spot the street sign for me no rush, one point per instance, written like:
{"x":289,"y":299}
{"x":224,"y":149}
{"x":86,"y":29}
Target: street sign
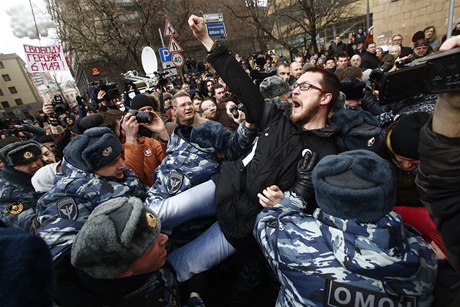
{"x":169,"y":29}
{"x":216,"y":30}
{"x":178,"y":59}
{"x":174,"y":45}
{"x":219,"y":17}
{"x":165,"y":56}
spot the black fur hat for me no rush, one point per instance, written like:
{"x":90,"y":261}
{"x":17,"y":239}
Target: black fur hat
{"x":20,"y":153}
{"x":93,"y":149}
{"x":211,"y":134}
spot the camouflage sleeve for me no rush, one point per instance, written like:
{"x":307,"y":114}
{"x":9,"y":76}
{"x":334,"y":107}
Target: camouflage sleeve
{"x":241,"y":142}
{"x":60,"y":234}
{"x":14,"y":214}
{"x":274,"y":230}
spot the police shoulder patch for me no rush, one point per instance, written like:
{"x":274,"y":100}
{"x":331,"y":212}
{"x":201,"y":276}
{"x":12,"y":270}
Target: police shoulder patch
{"x":14,"y":208}
{"x":174,"y":183}
{"x":67,"y":208}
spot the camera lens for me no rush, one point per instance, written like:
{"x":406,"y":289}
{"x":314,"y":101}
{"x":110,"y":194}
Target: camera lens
{"x":144,"y":117}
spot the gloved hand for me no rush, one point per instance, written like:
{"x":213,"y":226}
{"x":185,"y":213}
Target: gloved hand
{"x":303,"y":185}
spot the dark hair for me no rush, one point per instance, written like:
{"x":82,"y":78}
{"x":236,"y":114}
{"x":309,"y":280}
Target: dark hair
{"x":343,"y":54}
{"x":215,"y":87}
{"x":329,"y":82}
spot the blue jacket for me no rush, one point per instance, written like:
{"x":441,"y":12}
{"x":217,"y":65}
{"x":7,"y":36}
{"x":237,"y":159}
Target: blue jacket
{"x":63,"y":209}
{"x":323,"y":260}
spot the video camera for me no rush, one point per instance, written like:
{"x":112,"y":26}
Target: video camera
{"x":60,"y":107}
{"x":433,"y":74}
{"x":110,"y":89}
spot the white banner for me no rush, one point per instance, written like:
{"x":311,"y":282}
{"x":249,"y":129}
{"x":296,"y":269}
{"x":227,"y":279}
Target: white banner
{"x":45,"y":58}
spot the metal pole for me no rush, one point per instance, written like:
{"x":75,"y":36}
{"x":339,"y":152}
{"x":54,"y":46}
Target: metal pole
{"x":35,"y":21}
{"x":450,"y":18}
{"x":161,"y":36}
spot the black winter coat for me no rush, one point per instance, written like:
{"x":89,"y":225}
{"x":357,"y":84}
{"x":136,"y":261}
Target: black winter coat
{"x":279,"y":148}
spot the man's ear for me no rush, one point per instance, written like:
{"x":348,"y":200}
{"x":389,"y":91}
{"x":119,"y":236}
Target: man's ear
{"x":326,"y":99}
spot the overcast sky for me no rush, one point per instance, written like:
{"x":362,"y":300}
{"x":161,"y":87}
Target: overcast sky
{"x":10,"y":43}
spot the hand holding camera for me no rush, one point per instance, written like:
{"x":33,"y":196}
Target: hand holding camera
{"x":130,"y":128}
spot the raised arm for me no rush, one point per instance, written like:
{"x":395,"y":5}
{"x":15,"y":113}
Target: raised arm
{"x":231,"y":72}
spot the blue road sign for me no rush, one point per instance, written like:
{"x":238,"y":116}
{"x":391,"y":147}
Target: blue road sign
{"x":216,"y":30}
{"x":165,"y":56}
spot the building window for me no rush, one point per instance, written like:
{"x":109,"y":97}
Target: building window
{"x":1,"y":92}
{"x":5,"y":104}
{"x":2,"y":65}
{"x":13,"y":89}
{"x":6,"y":77}
{"x":18,"y":102}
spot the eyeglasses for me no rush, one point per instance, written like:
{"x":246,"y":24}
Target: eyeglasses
{"x":305,"y":86}
{"x":208,"y":107}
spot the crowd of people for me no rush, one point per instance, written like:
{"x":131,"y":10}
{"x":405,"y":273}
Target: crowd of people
{"x":252,"y":183}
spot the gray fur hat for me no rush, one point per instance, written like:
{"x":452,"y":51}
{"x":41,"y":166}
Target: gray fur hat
{"x":93,"y":149}
{"x":273,"y":86}
{"x":118,"y":232}
{"x":355,"y":185}
{"x":19,"y":153}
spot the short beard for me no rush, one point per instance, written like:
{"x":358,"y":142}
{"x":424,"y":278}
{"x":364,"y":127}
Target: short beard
{"x":305,"y":117}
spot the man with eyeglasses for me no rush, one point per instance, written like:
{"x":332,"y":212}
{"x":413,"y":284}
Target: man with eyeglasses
{"x":185,"y":113}
{"x":242,"y":184}
{"x":397,"y":40}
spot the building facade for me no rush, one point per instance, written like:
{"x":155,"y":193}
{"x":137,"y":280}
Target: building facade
{"x":17,"y":89}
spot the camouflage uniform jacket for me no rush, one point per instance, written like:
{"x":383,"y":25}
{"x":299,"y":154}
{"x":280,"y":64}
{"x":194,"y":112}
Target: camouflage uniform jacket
{"x":63,"y":209}
{"x":323,"y":260}
{"x":18,"y":202}
{"x":187,"y":164}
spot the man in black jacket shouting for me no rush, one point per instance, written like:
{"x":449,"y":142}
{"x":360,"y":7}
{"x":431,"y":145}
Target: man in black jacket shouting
{"x":283,"y":137}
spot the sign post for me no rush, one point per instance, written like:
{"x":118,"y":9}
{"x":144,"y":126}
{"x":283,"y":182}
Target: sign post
{"x":215,"y":25}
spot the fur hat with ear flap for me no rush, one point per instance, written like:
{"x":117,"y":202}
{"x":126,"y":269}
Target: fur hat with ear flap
{"x":355,"y":185}
{"x":19,"y":153}
{"x":93,"y":149}
{"x":118,"y":232}
{"x":273,"y":86}
{"x":211,"y":134}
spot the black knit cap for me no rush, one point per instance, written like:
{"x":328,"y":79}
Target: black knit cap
{"x":404,"y":136}
{"x":142,"y":100}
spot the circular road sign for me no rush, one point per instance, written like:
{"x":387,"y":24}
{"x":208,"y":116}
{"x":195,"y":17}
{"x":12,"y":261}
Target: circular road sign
{"x":178,"y":59}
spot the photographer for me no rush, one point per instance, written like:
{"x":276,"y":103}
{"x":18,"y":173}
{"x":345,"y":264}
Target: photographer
{"x":61,"y":135}
{"x":230,"y":114}
{"x":143,"y":153}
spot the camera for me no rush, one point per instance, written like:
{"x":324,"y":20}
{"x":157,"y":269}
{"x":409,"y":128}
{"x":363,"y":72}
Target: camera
{"x":235,"y":108}
{"x":110,"y":89}
{"x":433,"y":74}
{"x":60,"y":107}
{"x":142,"y":117}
